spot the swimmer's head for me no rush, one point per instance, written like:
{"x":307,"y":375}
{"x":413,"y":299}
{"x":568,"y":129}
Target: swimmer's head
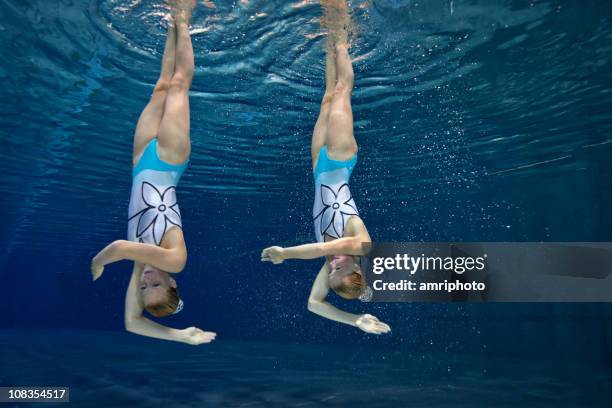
{"x":345,"y":276}
{"x":158,"y":291}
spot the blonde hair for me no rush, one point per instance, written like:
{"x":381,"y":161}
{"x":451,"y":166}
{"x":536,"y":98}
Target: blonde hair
{"x":348,"y":286}
{"x":167,"y":307}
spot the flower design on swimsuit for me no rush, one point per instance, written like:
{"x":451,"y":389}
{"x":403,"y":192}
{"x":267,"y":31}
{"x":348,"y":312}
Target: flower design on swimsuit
{"x":160,"y":211}
{"x":338,"y":206}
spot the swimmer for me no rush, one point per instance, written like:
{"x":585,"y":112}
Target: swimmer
{"x":341,"y":234}
{"x":160,"y":156}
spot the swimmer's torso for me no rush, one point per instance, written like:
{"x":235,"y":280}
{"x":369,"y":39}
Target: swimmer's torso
{"x":334,"y":205}
{"x":153,"y":209}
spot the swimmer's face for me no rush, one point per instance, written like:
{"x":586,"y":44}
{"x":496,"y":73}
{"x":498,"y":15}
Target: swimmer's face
{"x":345,"y":277}
{"x":343,"y":265}
{"x":154,"y":285}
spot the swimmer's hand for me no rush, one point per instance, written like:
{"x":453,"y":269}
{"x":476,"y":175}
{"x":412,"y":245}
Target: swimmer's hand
{"x":371,"y":324}
{"x":103,"y":258}
{"x":274,"y":254}
{"x":96,"y":269}
{"x":194,"y":336}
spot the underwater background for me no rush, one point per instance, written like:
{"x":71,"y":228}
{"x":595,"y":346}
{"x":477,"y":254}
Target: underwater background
{"x":483,"y":120}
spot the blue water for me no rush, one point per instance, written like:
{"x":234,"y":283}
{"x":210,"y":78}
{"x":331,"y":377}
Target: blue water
{"x":476,"y":120}
{"x":148,"y":373}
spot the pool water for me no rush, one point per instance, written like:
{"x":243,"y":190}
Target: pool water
{"x":149,"y":373}
{"x":476,"y":121}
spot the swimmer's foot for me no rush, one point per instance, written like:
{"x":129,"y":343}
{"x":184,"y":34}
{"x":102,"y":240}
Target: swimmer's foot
{"x":181,"y":9}
{"x":337,"y":4}
{"x":337,"y":20}
{"x":186,"y":5}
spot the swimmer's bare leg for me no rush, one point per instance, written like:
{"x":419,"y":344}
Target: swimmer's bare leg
{"x":340,"y":137}
{"x":320,"y":129}
{"x":150,"y":118}
{"x":173,"y":134}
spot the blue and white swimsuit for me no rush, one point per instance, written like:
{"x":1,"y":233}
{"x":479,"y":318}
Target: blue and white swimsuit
{"x":153,"y":207}
{"x":333,"y":204}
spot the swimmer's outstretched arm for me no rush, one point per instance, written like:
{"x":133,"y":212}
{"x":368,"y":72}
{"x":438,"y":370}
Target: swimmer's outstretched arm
{"x":318,"y":304}
{"x":342,"y":246}
{"x":171,"y":259}
{"x":136,"y":323}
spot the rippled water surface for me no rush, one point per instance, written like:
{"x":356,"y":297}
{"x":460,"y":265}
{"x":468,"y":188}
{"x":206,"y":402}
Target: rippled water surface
{"x":481,"y":120}
{"x":452,"y":98}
